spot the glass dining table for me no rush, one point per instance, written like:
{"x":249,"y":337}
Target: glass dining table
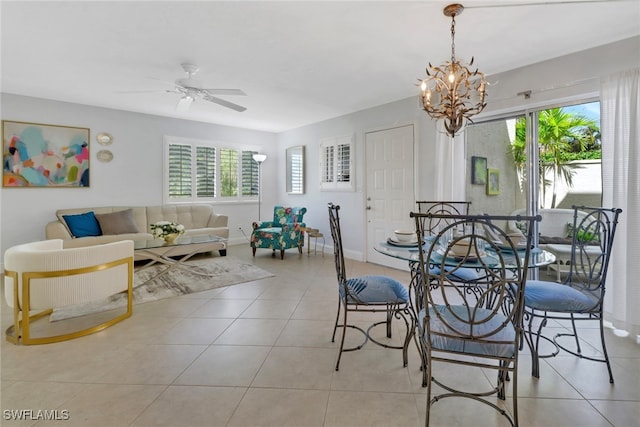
{"x":410,"y":253}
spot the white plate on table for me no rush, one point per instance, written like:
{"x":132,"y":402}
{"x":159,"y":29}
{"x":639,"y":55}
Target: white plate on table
{"x":394,"y":242}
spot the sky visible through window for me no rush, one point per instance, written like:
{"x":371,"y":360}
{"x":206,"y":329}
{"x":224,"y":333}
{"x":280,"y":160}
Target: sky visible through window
{"x":590,"y":110}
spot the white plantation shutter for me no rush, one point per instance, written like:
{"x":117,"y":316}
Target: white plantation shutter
{"x":297,"y":177}
{"x":179,"y":163}
{"x":343,"y":163}
{"x":249,"y":174}
{"x":336,"y":164}
{"x":228,"y":172}
{"x":328,"y":164}
{"x":197,"y":171}
{"x":205,"y":171}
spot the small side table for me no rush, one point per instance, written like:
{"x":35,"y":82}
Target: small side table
{"x":314,"y":233}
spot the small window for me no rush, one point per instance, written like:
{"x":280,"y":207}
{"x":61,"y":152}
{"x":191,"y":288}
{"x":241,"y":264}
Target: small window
{"x":179,"y":165}
{"x":228,"y":172}
{"x":250,"y":179}
{"x":205,"y":171}
{"x":336,"y":167}
{"x":295,"y":170}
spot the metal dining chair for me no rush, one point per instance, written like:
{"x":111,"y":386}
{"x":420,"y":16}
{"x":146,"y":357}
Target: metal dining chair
{"x":440,"y":217}
{"x":373,"y":294}
{"x":581,"y":296}
{"x":471,"y":323}
{"x":439,"y":207}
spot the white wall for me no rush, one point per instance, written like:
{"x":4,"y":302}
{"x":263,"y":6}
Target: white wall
{"x":133,"y":178}
{"x":352,"y":203}
{"x":574,"y":76}
{"x":568,"y":78}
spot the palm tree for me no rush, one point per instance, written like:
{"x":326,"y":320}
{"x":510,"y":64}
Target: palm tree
{"x":558,"y":132}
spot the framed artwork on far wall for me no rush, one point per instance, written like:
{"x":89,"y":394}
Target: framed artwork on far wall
{"x":478,"y":170}
{"x":39,"y":155}
{"x":493,"y":182}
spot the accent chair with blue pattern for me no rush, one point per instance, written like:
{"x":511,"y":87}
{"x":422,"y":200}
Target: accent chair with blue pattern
{"x":282,"y":233}
{"x":581,"y":296}
{"x":472,"y":323}
{"x":372,"y":294}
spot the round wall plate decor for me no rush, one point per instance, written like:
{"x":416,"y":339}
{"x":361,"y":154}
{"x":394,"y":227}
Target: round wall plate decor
{"x":104,"y":138}
{"x":105,"y":156}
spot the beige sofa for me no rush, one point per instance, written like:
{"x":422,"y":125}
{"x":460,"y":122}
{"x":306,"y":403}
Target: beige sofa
{"x":133,"y":223}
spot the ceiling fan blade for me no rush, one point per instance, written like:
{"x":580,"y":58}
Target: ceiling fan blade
{"x":534,"y":3}
{"x":140,"y":91}
{"x":225,"y":92}
{"x":160,"y":80}
{"x":184,"y":103}
{"x":224,"y":103}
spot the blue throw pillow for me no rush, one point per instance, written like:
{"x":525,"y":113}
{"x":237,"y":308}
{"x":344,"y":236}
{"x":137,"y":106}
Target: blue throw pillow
{"x":83,"y":225}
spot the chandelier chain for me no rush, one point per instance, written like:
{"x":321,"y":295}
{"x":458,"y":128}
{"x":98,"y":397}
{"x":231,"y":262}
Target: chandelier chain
{"x":453,"y":38}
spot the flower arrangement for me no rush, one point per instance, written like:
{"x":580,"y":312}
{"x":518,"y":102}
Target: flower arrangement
{"x":166,"y":229}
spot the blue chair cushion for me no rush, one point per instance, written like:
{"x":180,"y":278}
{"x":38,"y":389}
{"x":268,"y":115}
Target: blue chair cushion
{"x":460,"y":274}
{"x":376,"y":289}
{"x":452,"y":316}
{"x":558,"y":297}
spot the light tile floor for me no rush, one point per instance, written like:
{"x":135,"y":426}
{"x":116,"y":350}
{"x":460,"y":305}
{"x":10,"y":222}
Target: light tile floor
{"x":260,"y":354}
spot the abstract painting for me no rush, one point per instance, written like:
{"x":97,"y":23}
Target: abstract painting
{"x":39,"y":155}
{"x":493,"y":182}
{"x":478,"y":170}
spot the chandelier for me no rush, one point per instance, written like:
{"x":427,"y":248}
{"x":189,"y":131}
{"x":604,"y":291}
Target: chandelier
{"x":452,"y":91}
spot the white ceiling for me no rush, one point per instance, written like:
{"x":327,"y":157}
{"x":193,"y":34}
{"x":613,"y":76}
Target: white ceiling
{"x":299,"y":62}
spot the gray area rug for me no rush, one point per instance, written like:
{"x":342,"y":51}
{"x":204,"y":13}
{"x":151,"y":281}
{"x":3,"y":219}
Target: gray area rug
{"x":214,"y":273}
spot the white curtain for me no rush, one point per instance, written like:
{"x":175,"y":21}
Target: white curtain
{"x":451,"y":165}
{"x":620,"y":127}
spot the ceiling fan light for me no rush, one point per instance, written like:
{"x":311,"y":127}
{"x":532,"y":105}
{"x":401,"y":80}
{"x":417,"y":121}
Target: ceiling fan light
{"x":184,"y":103}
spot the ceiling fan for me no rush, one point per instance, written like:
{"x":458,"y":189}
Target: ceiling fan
{"x":191,"y":89}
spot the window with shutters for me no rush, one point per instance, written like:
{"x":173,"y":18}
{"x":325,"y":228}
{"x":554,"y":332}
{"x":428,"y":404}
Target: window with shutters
{"x":297,"y":177}
{"x":295,"y":170}
{"x":250,"y":179}
{"x":197,"y":171}
{"x":205,"y":171}
{"x":336,"y":164}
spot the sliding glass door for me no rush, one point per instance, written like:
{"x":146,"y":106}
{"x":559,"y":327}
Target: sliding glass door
{"x":513,"y":165}
{"x":529,"y":163}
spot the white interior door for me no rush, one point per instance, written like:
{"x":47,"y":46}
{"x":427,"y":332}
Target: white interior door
{"x":390,"y":194}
